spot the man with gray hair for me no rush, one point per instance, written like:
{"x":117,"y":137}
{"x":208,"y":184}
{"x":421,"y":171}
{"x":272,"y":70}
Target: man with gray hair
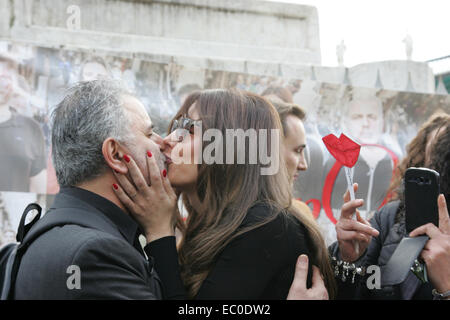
{"x":89,"y":245}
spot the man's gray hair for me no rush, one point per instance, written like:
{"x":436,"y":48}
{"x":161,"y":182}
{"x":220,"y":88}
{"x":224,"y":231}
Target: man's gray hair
{"x":90,"y":113}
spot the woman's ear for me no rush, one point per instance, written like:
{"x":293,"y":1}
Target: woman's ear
{"x":113,"y":153}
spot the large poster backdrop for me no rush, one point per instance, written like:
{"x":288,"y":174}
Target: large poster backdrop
{"x":34,"y":79}
{"x":382,"y":121}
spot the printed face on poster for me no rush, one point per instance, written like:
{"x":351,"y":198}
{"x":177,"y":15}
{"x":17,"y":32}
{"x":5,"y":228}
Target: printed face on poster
{"x":34,"y":79}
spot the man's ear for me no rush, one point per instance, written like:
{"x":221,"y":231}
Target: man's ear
{"x":113,"y":153}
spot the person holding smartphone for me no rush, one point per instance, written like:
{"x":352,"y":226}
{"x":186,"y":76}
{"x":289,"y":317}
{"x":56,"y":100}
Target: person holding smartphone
{"x":378,"y":239}
{"x":436,"y":252}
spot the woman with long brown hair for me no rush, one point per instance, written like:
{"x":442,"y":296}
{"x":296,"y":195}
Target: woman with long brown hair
{"x":242,"y":235}
{"x":417,"y":150}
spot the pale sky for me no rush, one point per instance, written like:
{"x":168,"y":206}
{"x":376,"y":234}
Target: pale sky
{"x":373,"y":30}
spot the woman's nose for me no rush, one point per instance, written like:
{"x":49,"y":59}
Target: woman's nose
{"x":302,"y":165}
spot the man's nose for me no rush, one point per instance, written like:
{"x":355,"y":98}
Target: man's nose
{"x":170,"y":141}
{"x":157,"y":139}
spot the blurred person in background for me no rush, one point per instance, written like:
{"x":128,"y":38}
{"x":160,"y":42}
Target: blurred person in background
{"x":22,"y":143}
{"x":94,"y":69}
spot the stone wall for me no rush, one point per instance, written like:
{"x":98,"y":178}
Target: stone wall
{"x":204,"y":30}
{"x":249,"y":36}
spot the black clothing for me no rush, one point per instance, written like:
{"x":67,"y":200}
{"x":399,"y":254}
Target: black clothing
{"x":22,"y":153}
{"x":126,"y":225}
{"x":259,"y":264}
{"x":111,"y":262}
{"x":378,"y":253}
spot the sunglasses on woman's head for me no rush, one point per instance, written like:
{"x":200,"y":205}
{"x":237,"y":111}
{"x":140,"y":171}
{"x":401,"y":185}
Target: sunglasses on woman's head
{"x":186,"y":124}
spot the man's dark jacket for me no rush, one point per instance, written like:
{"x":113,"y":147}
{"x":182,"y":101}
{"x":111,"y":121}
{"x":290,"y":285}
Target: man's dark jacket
{"x":102,"y":241}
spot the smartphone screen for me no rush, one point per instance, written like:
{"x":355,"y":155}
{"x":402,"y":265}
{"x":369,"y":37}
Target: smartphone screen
{"x":421,"y":193}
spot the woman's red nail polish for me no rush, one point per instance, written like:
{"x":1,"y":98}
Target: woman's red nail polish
{"x":127,"y":158}
{"x":115,"y":186}
{"x":164,"y":173}
{"x":149,"y":154}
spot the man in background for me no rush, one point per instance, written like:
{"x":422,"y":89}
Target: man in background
{"x":22,"y":143}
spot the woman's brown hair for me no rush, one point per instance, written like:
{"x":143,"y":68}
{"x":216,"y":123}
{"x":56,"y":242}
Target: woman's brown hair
{"x":228,"y":191}
{"x":440,"y":160}
{"x":415,"y":151}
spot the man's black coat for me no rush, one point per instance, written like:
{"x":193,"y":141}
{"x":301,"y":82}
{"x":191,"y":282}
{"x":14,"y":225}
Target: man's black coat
{"x":99,"y":240}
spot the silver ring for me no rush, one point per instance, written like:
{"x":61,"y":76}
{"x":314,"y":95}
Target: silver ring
{"x":134,"y":195}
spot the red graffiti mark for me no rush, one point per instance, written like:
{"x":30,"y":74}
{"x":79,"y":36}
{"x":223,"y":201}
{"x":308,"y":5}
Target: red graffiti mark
{"x":331,"y":179}
{"x":328,"y":190}
{"x":395,"y":162}
{"x":316,"y":207}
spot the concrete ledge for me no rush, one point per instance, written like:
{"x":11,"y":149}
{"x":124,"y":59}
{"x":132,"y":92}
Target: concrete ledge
{"x":248,"y":30}
{"x":255,"y":37}
{"x":394,"y":75}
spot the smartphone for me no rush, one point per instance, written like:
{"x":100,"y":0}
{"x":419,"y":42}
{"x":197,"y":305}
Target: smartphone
{"x":421,"y":194}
